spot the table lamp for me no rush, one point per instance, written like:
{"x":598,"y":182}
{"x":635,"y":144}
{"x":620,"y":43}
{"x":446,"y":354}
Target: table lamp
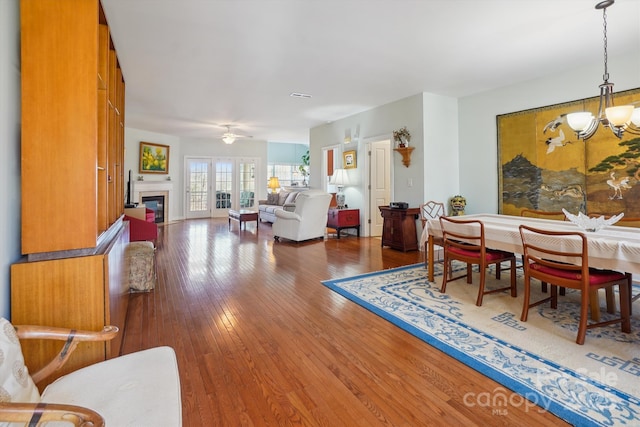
{"x":340,"y":178}
{"x":273,"y":184}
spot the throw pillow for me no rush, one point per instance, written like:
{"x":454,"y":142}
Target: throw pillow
{"x":283,"y":197}
{"x":15,"y":383}
{"x":291,"y":198}
{"x":272,"y":198}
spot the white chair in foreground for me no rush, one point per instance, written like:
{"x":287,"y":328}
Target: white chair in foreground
{"x":307,"y":221}
{"x":138,"y":389}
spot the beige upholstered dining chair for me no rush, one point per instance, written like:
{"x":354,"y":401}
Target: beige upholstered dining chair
{"x":138,"y":389}
{"x":464,"y":241}
{"x":545,"y":261}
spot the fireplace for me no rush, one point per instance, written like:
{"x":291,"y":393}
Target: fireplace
{"x":155,"y":203}
{"x":158,"y":193}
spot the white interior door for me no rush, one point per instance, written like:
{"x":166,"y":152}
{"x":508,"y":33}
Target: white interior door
{"x":198,"y":191}
{"x":379,"y":183}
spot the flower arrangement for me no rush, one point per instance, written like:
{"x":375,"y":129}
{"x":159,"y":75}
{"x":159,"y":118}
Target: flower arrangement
{"x":402,"y":136}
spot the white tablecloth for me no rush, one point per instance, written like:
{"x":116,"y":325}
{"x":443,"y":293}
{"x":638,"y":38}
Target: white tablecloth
{"x":613,"y":247}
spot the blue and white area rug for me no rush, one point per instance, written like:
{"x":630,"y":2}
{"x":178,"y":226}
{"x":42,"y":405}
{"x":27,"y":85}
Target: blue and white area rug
{"x":594,"y":384}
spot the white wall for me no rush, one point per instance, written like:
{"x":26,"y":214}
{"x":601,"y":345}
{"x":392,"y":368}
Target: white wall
{"x":477,"y":115}
{"x":441,"y":169}
{"x":377,"y":122}
{"x":10,"y":247}
{"x":433,"y":123}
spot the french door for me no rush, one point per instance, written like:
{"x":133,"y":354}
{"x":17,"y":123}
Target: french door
{"x":198,"y":178}
{"x":215,"y":185}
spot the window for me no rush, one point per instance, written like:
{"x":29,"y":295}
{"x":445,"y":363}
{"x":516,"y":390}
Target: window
{"x":288,"y":174}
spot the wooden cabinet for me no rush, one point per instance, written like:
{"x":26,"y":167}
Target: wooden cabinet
{"x":72,"y":146}
{"x":81,"y":293}
{"x":344,"y":218}
{"x":399,"y":228}
{"x":72,"y":149}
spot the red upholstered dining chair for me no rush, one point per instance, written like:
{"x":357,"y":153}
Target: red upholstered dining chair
{"x":561,"y":259}
{"x":464,"y":241}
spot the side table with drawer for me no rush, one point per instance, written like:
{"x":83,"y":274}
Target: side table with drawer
{"x":344,"y":218}
{"x":399,"y":228}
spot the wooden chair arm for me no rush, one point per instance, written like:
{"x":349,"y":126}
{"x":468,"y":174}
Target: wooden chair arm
{"x":71,"y":336}
{"x":34,"y":414}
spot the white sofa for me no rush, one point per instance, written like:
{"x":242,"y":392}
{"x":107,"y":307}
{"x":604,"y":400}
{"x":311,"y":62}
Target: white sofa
{"x":307,"y":221}
{"x":275,"y":202}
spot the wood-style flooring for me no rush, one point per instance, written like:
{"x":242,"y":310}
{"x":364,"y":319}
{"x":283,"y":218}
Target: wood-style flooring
{"x":261,"y":342}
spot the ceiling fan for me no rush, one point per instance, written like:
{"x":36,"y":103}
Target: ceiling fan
{"x":229,"y":137}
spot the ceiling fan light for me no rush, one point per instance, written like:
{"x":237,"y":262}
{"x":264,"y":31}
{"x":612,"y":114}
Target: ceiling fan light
{"x":579,"y":121}
{"x":228,"y":139}
{"x":619,"y":116}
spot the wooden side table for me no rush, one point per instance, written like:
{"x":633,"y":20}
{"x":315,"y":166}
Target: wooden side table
{"x":344,"y":218}
{"x":399,"y":228}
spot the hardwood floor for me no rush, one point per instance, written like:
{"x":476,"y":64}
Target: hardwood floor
{"x":260,"y":341}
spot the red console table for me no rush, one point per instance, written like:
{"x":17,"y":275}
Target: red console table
{"x":344,"y":218}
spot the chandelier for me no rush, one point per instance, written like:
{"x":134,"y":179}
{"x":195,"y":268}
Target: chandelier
{"x":620,"y":119}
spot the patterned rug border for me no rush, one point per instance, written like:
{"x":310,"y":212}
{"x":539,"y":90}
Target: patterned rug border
{"x":566,"y":413}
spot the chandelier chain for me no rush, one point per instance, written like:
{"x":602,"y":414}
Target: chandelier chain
{"x":605,"y":77}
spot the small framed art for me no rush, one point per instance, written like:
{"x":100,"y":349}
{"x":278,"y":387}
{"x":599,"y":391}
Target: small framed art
{"x":154,"y":158}
{"x":349,"y":159}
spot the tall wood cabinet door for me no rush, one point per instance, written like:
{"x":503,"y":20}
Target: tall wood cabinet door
{"x":59,"y":42}
{"x":67,"y":293}
{"x":103,"y":121}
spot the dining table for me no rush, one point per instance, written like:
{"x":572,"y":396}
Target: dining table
{"x":612,"y":247}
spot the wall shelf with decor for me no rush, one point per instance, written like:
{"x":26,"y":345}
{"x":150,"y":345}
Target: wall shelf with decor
{"x":406,"y":154}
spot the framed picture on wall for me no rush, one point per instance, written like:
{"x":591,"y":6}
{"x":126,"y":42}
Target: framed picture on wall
{"x":154,"y":158}
{"x":349,"y":159}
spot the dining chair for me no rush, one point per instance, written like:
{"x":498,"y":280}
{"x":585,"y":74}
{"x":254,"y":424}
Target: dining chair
{"x":464,"y":240}
{"x":431,"y":210}
{"x":625,"y":221}
{"x":561,"y":258}
{"x":533,"y":213}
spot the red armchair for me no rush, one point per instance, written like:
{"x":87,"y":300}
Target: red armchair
{"x":140,"y":231}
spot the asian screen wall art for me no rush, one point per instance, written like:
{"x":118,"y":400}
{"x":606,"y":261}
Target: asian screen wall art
{"x":542,"y":165}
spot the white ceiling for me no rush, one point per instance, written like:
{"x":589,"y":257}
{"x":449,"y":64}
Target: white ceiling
{"x":192,"y":66}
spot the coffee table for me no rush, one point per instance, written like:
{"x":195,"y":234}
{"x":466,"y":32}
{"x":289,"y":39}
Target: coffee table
{"x":243,"y":215}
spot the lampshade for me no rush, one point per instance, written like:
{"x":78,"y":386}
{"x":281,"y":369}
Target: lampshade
{"x":619,"y":116}
{"x":340,"y":178}
{"x":579,"y":121}
{"x":635,"y":117}
{"x":273,"y":184}
{"x":228,"y":139}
